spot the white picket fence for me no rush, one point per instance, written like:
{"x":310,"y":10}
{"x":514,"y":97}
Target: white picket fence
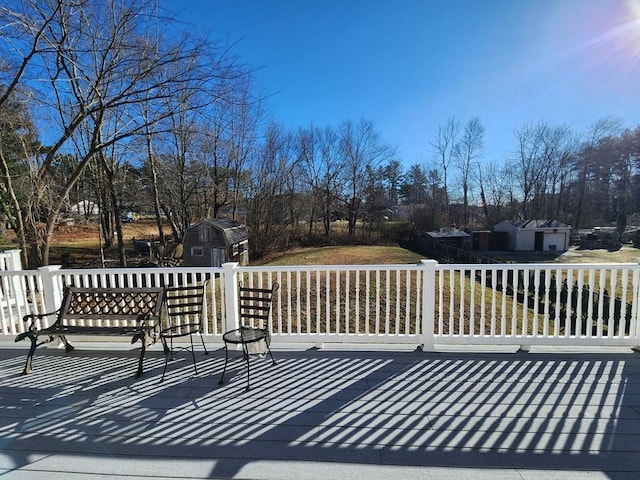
{"x":427,"y":304}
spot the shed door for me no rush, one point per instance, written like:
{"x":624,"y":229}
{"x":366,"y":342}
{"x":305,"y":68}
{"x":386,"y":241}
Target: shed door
{"x":218,"y":257}
{"x":539,"y":242}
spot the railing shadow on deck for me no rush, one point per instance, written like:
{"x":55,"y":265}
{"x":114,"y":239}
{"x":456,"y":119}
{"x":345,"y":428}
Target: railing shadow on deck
{"x":539,"y":412}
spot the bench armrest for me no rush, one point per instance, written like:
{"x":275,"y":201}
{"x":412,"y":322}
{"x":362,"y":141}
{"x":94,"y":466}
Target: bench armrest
{"x":37,"y":316}
{"x":149,"y":322}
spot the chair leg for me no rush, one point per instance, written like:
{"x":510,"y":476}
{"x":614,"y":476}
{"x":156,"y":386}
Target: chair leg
{"x":226,"y":359}
{"x":273,"y":360}
{"x":171,"y":349}
{"x":193,"y":354}
{"x":165,"y":347}
{"x":203,"y":345}
{"x":247,"y":358}
{"x":167,"y":352}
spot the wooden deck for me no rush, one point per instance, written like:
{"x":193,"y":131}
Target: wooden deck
{"x":321,"y":414}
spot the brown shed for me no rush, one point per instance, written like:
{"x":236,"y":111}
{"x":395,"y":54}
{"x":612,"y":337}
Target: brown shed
{"x":215,"y":241}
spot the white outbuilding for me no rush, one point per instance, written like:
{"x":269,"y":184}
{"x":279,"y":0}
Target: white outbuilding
{"x":536,"y":235}
{"x":85,"y":208}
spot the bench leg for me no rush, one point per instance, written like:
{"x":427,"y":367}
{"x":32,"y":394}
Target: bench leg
{"x":67,"y":346}
{"x":142,"y":336}
{"x":34,"y":343}
{"x":143,"y":349}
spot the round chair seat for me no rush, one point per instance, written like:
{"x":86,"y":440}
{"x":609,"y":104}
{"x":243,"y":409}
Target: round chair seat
{"x":245,"y":335}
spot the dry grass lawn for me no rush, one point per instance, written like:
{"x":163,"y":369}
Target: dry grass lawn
{"x":368,"y":255}
{"x":626,"y":254}
{"x":347,"y":255}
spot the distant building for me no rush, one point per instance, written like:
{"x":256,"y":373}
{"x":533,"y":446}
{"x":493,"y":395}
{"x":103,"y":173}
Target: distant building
{"x":450,"y":236}
{"x":536,"y":235}
{"x":487,"y":240}
{"x":213,"y":242}
{"x":85,"y":207}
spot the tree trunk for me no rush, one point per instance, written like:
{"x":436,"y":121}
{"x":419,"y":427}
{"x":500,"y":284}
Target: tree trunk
{"x":122,"y":254}
{"x":354,"y":208}
{"x":156,"y":196}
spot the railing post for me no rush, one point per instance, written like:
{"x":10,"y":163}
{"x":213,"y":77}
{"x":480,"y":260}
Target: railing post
{"x":14,"y":262}
{"x":50,"y":288}
{"x":230,"y":295}
{"x":428,"y":304}
{"x":634,"y":328}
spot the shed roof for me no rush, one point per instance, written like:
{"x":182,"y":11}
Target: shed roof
{"x":233,"y":231}
{"x":540,"y":223}
{"x":449,"y":234}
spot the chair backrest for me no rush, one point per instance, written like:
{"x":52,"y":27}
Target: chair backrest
{"x":185,"y":305}
{"x":254,"y":305}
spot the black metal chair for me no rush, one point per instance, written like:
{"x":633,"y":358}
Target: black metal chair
{"x":185,"y":316}
{"x":254,"y":334}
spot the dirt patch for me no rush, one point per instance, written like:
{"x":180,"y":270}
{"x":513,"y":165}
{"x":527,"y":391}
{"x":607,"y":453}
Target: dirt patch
{"x":89,"y":233}
{"x":78,"y":246}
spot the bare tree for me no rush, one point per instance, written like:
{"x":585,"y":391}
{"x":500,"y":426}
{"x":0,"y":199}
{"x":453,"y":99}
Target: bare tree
{"x":84,"y":63}
{"x":360,"y":148}
{"x":245,"y":117}
{"x":202,"y":146}
{"x":321,"y":164}
{"x":232,"y":121}
{"x":598,"y":131}
{"x":267,"y":194}
{"x":543,"y":151}
{"x":444,"y":145}
{"x":496,"y":190}
{"x":467,"y":152}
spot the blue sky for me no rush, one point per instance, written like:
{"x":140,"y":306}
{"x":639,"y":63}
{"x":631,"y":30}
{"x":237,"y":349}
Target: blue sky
{"x":410,"y":65}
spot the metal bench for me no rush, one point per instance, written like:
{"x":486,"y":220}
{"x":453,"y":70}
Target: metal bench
{"x":133,"y":312}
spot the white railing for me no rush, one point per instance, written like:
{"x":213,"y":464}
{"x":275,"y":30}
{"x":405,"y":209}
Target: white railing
{"x":344,"y":303}
{"x":21,"y":294}
{"x":425,"y":304}
{"x":538,"y":304}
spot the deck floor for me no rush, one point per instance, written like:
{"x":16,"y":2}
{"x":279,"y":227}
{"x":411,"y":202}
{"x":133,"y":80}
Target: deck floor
{"x":321,"y":414}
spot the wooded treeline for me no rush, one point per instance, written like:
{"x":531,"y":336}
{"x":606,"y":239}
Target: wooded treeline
{"x":116,"y":103}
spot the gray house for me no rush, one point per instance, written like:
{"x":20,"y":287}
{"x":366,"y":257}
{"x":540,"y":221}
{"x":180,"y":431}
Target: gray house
{"x":536,"y":235}
{"x":213,"y":242}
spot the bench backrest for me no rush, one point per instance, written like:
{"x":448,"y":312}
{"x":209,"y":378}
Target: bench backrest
{"x":127,"y":305}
